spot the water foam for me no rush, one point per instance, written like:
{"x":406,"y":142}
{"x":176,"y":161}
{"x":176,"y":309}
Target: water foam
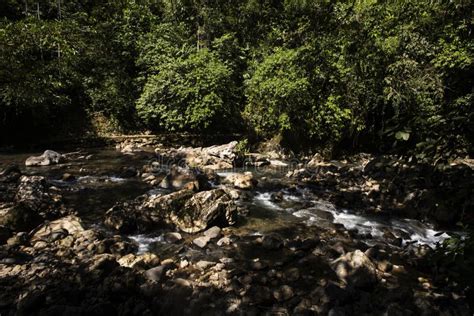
{"x":144,"y":242}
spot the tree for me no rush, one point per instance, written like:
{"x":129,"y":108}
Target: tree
{"x":188,"y":93}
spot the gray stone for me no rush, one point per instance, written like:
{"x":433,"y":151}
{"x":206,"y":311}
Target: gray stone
{"x":213,"y":232}
{"x":356,"y":269}
{"x":272,"y":242}
{"x":204,"y":264}
{"x":241,"y":180}
{"x":49,"y":157}
{"x":284,"y":293}
{"x":188,"y":211}
{"x":173,"y":237}
{"x":202,"y":241}
{"x":70,"y":224}
{"x":156,"y":273}
{"x":224,"y":241}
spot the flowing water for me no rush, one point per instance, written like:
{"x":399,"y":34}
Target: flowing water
{"x":100,"y":180}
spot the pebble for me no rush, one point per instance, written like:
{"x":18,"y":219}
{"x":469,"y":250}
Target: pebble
{"x":173,"y":237}
{"x":292,"y":274}
{"x":168,"y":262}
{"x":201,"y":242}
{"x":226,"y":260}
{"x":284,"y":293}
{"x":182,"y":282}
{"x":204,"y":264}
{"x":224,"y":241}
{"x":68,"y":177}
{"x":155,"y":274}
{"x":212,"y":232}
{"x":384,"y":266}
{"x":398,"y":269}
{"x":256,"y":264}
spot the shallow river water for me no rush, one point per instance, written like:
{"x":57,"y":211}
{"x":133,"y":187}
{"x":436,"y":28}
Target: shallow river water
{"x":101,"y":180}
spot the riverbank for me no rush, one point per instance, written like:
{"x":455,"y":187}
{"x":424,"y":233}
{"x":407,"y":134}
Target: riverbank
{"x":302,"y":237}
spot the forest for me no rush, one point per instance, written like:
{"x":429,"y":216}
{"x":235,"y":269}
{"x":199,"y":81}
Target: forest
{"x":276,"y":157}
{"x":386,"y":77}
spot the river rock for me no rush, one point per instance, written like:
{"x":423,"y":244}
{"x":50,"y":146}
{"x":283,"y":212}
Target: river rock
{"x":315,"y":161}
{"x":18,"y":217}
{"x":284,"y":293}
{"x":31,"y":190}
{"x":224,"y":241}
{"x":103,"y":262}
{"x":356,"y":269}
{"x":33,"y":193}
{"x":122,"y":218}
{"x":129,"y":148}
{"x":272,"y":242}
{"x":18,"y":239}
{"x":49,"y":157}
{"x":143,"y":261}
{"x":384,"y":266}
{"x":213,"y":157}
{"x":241,"y":180}
{"x":179,"y":177}
{"x":173,"y":237}
{"x":156,"y":273}
{"x":213,"y":232}
{"x":49,"y":232}
{"x":391,"y":238}
{"x":204,"y":208}
{"x":278,"y":163}
{"x":202,"y":265}
{"x":201,"y":242}
{"x":146,"y":211}
{"x":68,"y":177}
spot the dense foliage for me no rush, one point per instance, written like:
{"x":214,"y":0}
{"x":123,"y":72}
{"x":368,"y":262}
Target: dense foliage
{"x":187,"y":93}
{"x":392,"y":76}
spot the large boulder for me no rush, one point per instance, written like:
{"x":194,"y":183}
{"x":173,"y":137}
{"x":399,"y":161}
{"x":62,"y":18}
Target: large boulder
{"x":203,"y":209}
{"x":190,"y":212}
{"x":34,"y":192}
{"x":18,"y":217}
{"x":49,"y":157}
{"x":69,"y":225}
{"x":226,"y":151}
{"x":31,"y":202}
{"x":213,"y":157}
{"x":356,"y":269}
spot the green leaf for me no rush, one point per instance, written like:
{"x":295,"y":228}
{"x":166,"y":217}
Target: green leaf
{"x":402,"y":135}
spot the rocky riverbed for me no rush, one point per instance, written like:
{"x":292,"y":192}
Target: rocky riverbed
{"x":149,"y":229}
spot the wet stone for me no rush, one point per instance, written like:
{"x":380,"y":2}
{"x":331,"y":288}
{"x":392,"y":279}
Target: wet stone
{"x":272,"y":242}
{"x":212,"y":232}
{"x":284,"y":293}
{"x":224,"y":241}
{"x":258,"y":265}
{"x":173,"y":237}
{"x":202,"y":265}
{"x":156,"y":273}
{"x":201,"y":242}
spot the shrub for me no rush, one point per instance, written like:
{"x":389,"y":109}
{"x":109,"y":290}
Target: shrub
{"x":189,"y":93}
